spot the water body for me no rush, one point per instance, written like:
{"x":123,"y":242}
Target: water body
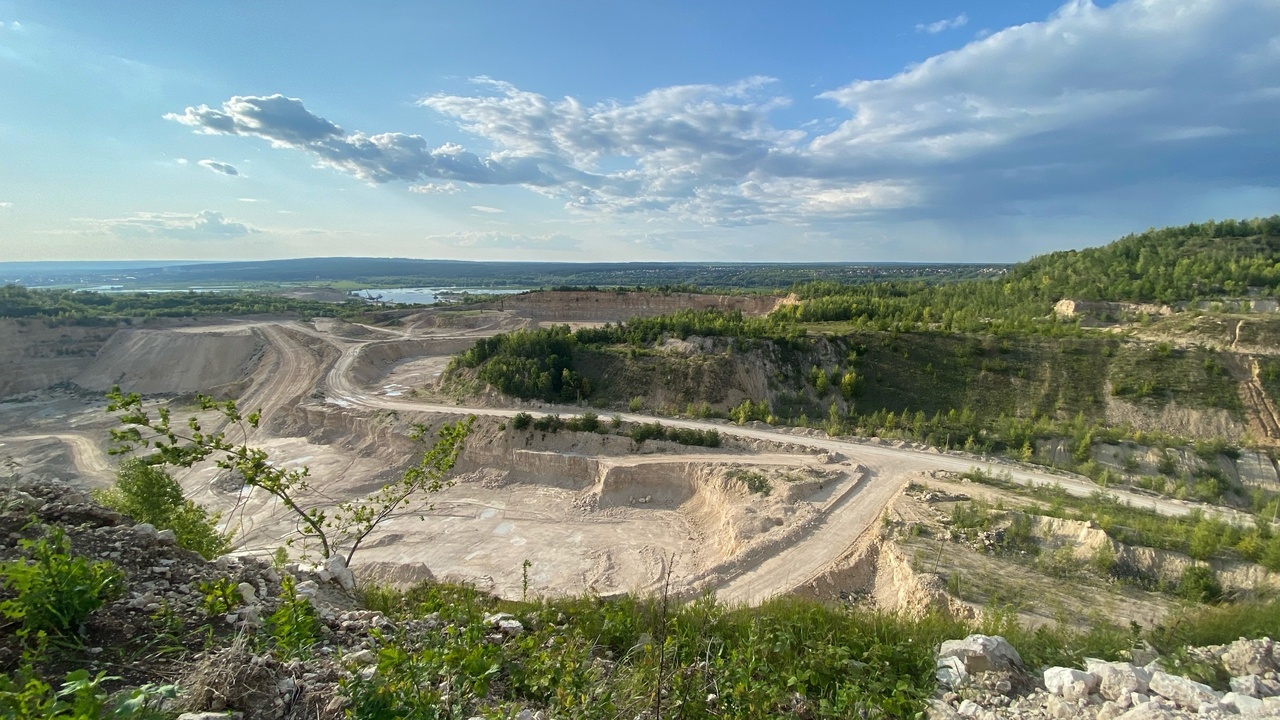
{"x":424,"y":295}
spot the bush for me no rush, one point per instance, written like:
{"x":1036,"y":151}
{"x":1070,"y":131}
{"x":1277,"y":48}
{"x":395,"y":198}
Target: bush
{"x":587,"y":422}
{"x":295,"y":627}
{"x":55,"y":591}
{"x":548,"y":423}
{"x":1200,"y":584}
{"x":521,"y":421}
{"x":149,"y":495}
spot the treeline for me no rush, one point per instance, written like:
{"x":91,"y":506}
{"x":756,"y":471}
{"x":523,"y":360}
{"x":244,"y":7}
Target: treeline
{"x":683,"y":324}
{"x":82,"y":307}
{"x":1206,"y":260}
{"x":538,"y":364}
{"x":1201,"y":260}
{"x":529,"y":364}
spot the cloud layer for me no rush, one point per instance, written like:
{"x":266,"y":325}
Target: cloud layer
{"x":204,"y":225}
{"x":1086,"y":102}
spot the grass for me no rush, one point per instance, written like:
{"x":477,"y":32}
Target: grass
{"x":1159,"y":374}
{"x":592,"y":657}
{"x":589,"y":657}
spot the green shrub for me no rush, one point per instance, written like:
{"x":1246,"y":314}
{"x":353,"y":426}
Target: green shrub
{"x":1200,"y":584}
{"x":149,"y":495}
{"x":80,"y":698}
{"x":521,"y":421}
{"x":294,"y":627}
{"x":56,"y":592}
{"x":220,"y":596}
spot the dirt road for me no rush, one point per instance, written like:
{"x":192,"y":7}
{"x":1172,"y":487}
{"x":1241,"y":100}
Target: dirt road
{"x":843,"y":524}
{"x":90,"y":459}
{"x":302,"y":359}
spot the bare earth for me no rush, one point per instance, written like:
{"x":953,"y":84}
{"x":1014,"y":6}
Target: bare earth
{"x":586,"y":511}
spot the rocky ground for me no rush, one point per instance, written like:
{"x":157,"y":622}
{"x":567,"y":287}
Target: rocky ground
{"x":209,"y":627}
{"x":983,"y":677}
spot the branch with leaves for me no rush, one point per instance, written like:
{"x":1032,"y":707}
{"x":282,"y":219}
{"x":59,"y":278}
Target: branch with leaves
{"x":337,"y":528}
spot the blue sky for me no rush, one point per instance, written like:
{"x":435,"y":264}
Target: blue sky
{"x":588,"y":131}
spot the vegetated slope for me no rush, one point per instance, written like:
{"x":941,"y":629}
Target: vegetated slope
{"x":78,"y":307}
{"x":1176,"y":264}
{"x":1202,"y":260}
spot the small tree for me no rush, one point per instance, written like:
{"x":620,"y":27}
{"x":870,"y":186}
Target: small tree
{"x":336,"y":528}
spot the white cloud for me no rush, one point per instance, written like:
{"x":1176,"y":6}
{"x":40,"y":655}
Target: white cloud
{"x":5,"y":205}
{"x":286,"y":123}
{"x":181,"y":161}
{"x":219,"y":167}
{"x":1089,"y":101}
{"x":934,"y":28}
{"x":435,"y":189}
{"x":204,"y":225}
{"x":249,"y":200}
{"x":486,"y":209}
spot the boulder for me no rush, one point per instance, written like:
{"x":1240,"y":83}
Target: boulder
{"x":1118,"y":679}
{"x":1250,"y":707}
{"x":337,"y":568}
{"x":1184,"y":693}
{"x":1249,"y":657}
{"x":1069,"y":683}
{"x":982,"y":653}
{"x":1250,"y":685}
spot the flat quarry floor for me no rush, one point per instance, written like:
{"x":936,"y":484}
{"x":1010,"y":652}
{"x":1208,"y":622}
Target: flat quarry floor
{"x":485,"y":536}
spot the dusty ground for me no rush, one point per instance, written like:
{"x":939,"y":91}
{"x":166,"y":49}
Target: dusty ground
{"x":589,"y":512}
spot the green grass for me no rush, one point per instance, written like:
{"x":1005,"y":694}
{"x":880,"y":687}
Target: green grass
{"x":589,"y":657}
{"x":1156,"y":375}
{"x":592,"y":657}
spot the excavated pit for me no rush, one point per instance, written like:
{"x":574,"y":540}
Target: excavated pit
{"x":590,"y":512}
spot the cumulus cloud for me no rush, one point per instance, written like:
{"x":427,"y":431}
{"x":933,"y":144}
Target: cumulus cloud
{"x":553,"y":242}
{"x":286,"y":123}
{"x":1087,"y":101}
{"x":487,"y":209}
{"x":934,"y":28}
{"x":219,"y":167}
{"x":204,"y":225}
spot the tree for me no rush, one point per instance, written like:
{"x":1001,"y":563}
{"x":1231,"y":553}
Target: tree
{"x":147,"y":494}
{"x":336,"y":528}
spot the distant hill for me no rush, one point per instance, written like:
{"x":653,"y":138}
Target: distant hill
{"x":1212,"y":259}
{"x":408,"y":272}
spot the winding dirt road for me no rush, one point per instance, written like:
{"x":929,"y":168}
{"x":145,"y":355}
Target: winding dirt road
{"x":889,"y":470}
{"x":304,"y":359}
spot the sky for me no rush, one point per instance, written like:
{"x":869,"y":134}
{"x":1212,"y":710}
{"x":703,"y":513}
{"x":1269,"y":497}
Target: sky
{"x":602,"y":130}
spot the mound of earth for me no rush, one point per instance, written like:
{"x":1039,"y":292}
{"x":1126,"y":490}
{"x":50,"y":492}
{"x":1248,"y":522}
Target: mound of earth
{"x":160,"y":361}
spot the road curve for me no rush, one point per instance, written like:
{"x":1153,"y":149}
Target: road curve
{"x":89,"y":458}
{"x":889,"y":469}
{"x":879,"y":457}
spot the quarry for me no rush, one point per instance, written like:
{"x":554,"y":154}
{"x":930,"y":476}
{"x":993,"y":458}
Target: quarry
{"x":772,"y":511}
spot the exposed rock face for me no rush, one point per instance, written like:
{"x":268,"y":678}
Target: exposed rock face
{"x":610,"y":306}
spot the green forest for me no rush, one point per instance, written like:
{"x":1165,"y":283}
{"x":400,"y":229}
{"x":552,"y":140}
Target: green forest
{"x":88,"y":308}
